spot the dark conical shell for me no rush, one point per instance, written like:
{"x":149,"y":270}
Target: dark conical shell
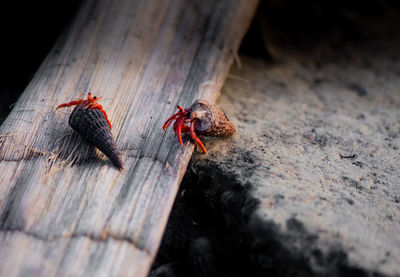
{"x":211,"y":120}
{"x":93,"y":126}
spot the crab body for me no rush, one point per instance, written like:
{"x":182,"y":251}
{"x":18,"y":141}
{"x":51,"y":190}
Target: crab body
{"x":202,"y":118}
{"x":90,"y":120}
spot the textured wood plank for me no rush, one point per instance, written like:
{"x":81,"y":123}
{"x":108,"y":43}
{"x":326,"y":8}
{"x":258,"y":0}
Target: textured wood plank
{"x":64,"y":208}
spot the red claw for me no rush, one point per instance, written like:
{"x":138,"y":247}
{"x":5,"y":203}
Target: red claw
{"x":181,"y":118}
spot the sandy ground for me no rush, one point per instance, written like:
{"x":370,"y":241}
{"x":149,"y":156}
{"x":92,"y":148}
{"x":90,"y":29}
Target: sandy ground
{"x":319,"y":142}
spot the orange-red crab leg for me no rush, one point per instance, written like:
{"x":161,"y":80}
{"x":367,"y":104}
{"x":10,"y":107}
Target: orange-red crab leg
{"x":100,"y":108}
{"x":170,"y":120}
{"x":178,"y":128}
{"x":72,"y":103}
{"x":195,"y":137}
{"x":173,"y":117}
{"x":77,"y":102}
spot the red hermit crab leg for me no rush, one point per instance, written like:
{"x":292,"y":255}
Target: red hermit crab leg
{"x":72,"y":103}
{"x":185,"y":128}
{"x":170,"y":120}
{"x":173,"y":117}
{"x":93,"y":105}
{"x":178,"y":128}
{"x":96,"y":106}
{"x":88,"y":101}
{"x":105,"y":114}
{"x":195,"y":137}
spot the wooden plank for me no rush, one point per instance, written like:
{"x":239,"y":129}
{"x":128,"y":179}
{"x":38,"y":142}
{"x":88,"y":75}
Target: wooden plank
{"x":65,"y":209}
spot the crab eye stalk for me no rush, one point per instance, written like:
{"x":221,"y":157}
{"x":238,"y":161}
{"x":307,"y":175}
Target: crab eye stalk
{"x":182,"y":110}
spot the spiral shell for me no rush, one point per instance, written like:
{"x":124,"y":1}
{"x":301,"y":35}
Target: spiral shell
{"x":93,"y":126}
{"x":211,"y":120}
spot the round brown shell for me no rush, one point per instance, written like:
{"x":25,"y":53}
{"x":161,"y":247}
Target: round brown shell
{"x":93,"y":126}
{"x":211,"y":120}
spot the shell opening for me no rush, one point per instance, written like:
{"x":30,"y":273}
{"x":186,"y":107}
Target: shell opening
{"x":203,"y":120}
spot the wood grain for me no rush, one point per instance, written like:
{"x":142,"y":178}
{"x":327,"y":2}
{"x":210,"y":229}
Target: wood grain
{"x":65,"y":210}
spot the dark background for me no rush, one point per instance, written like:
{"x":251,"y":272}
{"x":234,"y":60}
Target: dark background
{"x":28,"y":31}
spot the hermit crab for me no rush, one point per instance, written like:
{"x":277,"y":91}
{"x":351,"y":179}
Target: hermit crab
{"x":91,"y":121}
{"x":202,"y":118}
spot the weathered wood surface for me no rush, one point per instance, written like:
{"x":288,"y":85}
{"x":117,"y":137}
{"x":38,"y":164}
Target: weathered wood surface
{"x":65,"y":210}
